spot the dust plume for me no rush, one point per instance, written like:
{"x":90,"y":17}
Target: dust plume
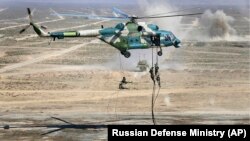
{"x":213,"y":26}
{"x":119,"y":62}
{"x":210,"y":26}
{"x":167,"y":100}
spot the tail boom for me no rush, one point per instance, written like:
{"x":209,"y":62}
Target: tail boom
{"x":80,"y":33}
{"x":39,"y":31}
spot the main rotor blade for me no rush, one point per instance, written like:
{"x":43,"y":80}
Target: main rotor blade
{"x":92,"y":16}
{"x":158,"y":14}
{"x":29,"y":12}
{"x":153,"y":17}
{"x":24,"y":29}
{"x":119,"y":13}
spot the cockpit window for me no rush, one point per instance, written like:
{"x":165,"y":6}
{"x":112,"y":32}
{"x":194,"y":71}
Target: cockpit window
{"x":169,"y":37}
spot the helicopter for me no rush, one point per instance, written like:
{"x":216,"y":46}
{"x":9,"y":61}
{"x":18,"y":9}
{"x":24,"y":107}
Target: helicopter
{"x":124,"y":36}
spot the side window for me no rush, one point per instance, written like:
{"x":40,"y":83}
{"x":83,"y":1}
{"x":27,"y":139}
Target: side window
{"x":133,"y":40}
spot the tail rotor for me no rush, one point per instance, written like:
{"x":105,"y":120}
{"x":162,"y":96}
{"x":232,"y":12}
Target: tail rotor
{"x":38,"y":29}
{"x":30,"y":14}
{"x":27,"y":26}
{"x":24,"y":29}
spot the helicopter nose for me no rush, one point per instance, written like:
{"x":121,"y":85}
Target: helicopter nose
{"x":177,"y":43}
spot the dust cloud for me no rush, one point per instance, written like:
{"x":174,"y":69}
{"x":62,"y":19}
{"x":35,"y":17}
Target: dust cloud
{"x":167,"y":100}
{"x":218,"y":24}
{"x":210,"y":26}
{"x":119,"y":62}
{"x":213,"y":26}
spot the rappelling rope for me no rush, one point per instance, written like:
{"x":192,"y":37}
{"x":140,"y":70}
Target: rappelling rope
{"x":153,"y":92}
{"x":116,"y":92}
{"x":121,"y":66}
{"x":111,"y":98}
{"x":152,"y":106}
{"x":159,"y":86}
{"x":157,"y":94}
{"x":116,"y":117}
{"x":155,"y":76}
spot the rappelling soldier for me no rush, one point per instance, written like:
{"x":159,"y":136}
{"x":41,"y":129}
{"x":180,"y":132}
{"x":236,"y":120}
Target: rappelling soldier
{"x":151,"y":71}
{"x":157,"y":75}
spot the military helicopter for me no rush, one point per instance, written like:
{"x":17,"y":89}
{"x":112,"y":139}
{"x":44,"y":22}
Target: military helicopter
{"x":124,"y":36}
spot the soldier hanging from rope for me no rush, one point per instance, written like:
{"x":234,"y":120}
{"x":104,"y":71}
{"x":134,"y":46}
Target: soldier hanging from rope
{"x":157,"y":75}
{"x":152,"y":75}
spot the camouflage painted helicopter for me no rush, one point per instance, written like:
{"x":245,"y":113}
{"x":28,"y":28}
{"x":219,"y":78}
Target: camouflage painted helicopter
{"x":124,"y":36}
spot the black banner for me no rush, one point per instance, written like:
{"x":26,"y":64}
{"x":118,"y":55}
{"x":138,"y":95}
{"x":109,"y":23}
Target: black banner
{"x":166,"y":132}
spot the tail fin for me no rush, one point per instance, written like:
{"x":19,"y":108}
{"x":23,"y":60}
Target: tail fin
{"x":38,"y":30}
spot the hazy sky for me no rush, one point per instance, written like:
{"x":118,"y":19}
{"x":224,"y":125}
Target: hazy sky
{"x":186,"y":2}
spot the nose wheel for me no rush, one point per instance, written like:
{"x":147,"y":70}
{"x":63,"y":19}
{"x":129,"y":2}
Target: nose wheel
{"x":126,"y":54}
{"x":159,"y":52}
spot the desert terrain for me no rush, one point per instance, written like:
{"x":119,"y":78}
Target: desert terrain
{"x":72,"y":84}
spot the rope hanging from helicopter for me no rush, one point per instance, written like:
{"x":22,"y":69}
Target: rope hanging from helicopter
{"x":116,"y":91}
{"x":155,"y":76}
{"x":121,"y":66}
{"x":153,"y":92}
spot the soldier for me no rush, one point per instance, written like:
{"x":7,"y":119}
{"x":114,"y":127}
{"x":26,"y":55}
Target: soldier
{"x":156,"y":69}
{"x":122,"y":83}
{"x":157,"y":75}
{"x":158,"y":79}
{"x":151,"y":71}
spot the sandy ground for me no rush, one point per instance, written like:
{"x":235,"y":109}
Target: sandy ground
{"x":76,"y":80}
{"x":199,"y":92}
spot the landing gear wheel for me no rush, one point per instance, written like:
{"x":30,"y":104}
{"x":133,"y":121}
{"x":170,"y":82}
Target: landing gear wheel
{"x":159,"y":53}
{"x":127,"y":54}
